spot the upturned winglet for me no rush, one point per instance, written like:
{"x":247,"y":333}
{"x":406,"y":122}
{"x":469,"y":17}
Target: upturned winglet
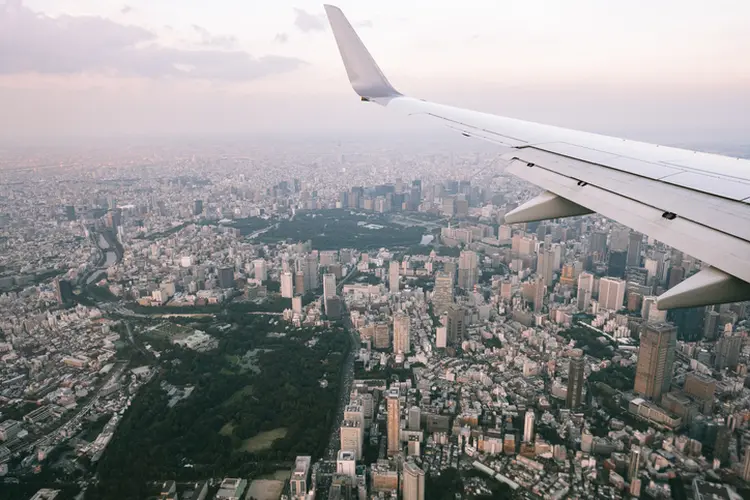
{"x":364,"y":74}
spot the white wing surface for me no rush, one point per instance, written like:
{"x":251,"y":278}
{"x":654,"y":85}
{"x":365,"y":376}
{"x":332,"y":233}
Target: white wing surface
{"x":696,"y":202}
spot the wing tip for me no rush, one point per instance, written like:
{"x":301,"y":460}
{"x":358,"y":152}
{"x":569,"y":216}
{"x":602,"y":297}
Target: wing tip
{"x":364,"y":74}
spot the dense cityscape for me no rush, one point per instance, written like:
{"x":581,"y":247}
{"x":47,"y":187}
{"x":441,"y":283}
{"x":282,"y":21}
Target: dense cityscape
{"x":342,"y":321}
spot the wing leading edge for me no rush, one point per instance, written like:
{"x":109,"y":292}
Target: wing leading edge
{"x":696,"y":202}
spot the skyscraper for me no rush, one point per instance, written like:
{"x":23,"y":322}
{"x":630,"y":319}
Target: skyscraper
{"x":585,"y":289}
{"x":299,"y":283}
{"x":653,"y":375}
{"x":575,"y":382}
{"x":728,"y":352}
{"x":617,"y":264}
{"x":528,"y":427}
{"x":442,"y":296}
{"x":676,"y":275}
{"x":634,"y":249}
{"x":746,"y":464}
{"x":329,"y":285}
{"x":310,"y":268}
{"x":598,"y":244}
{"x":455,"y":323}
{"x":346,"y":464}
{"x":468,"y":269}
{"x":401,"y":341}
{"x":351,"y":437}
{"x":413,"y":483}
{"x":198,"y":207}
{"x":539,"y":287}
{"x":634,"y":464}
{"x":393,"y":276}
{"x":226,"y":277}
{"x":261,"y":273}
{"x":393,"y":422}
{"x":415,"y":418}
{"x":287,"y":285}
{"x":611,"y":293}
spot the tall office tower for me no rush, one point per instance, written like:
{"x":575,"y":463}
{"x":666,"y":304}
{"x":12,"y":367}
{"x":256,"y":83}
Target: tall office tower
{"x":287,"y":285}
{"x":354,"y":414}
{"x":351,"y":437}
{"x":746,"y":464}
{"x":455,"y":323}
{"x":653,"y":375}
{"x":635,"y":241}
{"x":598,"y":244}
{"x":382,"y":336}
{"x":585,"y":289}
{"x":393,"y":279}
{"x":70,"y":212}
{"x":393,"y":422}
{"x":539,"y":287}
{"x":63,"y":291}
{"x":710,"y":324}
{"x":634,"y":464}
{"x":261,"y":272}
{"x":413,"y":485}
{"x":576,"y":370}
{"x":528,"y":427}
{"x":545,"y":267}
{"x":297,"y":304}
{"x":198,"y":207}
{"x":415,"y":418}
{"x":619,"y":239}
{"x":401,"y":341}
{"x":728,"y":350}
{"x":226,"y":277}
{"x":329,"y":285}
{"x":311,"y":271}
{"x":442,"y":296}
{"x":617,"y":264}
{"x":299,"y":282}
{"x":652,"y":267}
{"x":675,"y":276}
{"x":611,"y":293}
{"x":300,"y":476}
{"x":346,"y":464}
{"x":468,"y":269}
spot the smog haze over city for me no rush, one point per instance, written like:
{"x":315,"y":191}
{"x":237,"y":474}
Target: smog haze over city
{"x":224,"y":276}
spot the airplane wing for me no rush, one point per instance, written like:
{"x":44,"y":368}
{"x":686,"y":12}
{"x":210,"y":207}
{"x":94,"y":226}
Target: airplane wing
{"x":696,"y":202}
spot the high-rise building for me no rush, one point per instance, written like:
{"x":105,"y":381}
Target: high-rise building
{"x":634,"y":464}
{"x":585,"y":289}
{"x":413,"y":484}
{"x":611,"y":293}
{"x":63,"y":291}
{"x":728,"y":350}
{"x":617,"y":264}
{"x":598,"y":244}
{"x":710,"y":324}
{"x":261,"y":272}
{"x":401,"y":341}
{"x":675,"y":276}
{"x":576,"y":370}
{"x":198,"y":207}
{"x":468,"y":269}
{"x":442,"y":296}
{"x":539,"y":288}
{"x":299,"y":283}
{"x":415,"y":417}
{"x":653,"y":374}
{"x":329,"y":285}
{"x":393,"y":422}
{"x":746,"y":464}
{"x":311,"y":271}
{"x":393,"y":276}
{"x":297,"y":304}
{"x":300,"y":476}
{"x":441,"y":337}
{"x":635,"y":241}
{"x":346,"y":464}
{"x":352,"y":433}
{"x":226,"y":277}
{"x":455,"y":323}
{"x":528,"y":427}
{"x":287,"y":285}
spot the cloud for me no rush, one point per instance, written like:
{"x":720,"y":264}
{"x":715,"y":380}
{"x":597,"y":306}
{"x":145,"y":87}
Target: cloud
{"x":306,"y":22}
{"x":281,"y":38}
{"x":363,"y":24}
{"x":209,"y":40}
{"x":36,"y":43}
{"x":126,"y":9}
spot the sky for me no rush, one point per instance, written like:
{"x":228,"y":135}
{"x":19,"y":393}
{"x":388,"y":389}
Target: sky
{"x":673,"y":70}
